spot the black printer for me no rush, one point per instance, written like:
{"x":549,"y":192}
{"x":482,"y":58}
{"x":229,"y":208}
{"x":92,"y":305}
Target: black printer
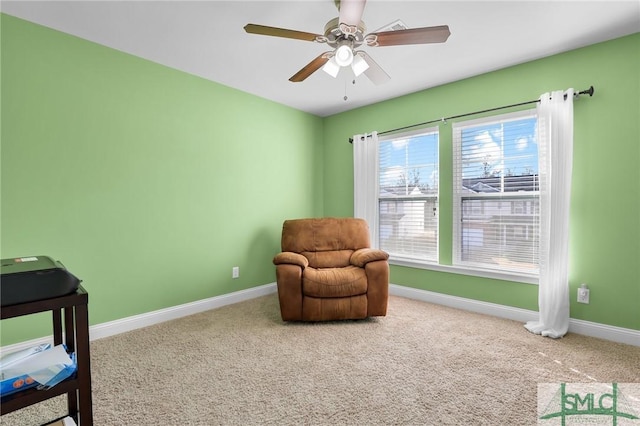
{"x":26,"y":279}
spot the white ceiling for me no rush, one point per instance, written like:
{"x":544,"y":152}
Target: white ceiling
{"x":206,"y":38}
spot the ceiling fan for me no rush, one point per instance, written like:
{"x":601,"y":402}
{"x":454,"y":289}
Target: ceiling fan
{"x":345,"y":34}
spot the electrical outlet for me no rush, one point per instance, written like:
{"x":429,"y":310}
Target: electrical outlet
{"x":235,"y":272}
{"x":583,"y":294}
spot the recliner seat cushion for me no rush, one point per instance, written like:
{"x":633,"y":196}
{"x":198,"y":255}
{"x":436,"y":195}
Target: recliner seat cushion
{"x":334,"y":282}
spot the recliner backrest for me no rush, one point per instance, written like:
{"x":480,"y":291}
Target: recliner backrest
{"x":326,"y":242}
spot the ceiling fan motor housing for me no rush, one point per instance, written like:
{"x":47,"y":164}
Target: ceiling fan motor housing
{"x":336,"y":33}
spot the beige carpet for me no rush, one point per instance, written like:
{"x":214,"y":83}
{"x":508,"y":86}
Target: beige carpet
{"x":421,"y":364}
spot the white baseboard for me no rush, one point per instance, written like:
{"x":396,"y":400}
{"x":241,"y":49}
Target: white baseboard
{"x":587,"y":328}
{"x":123,"y":325}
{"x":111,"y":328}
{"x":604,"y":331}
{"x":487,"y":308}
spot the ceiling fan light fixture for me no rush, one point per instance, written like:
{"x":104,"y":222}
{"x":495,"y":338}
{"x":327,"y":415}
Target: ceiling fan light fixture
{"x":359,"y":65}
{"x":331,"y":67}
{"x":344,"y":55}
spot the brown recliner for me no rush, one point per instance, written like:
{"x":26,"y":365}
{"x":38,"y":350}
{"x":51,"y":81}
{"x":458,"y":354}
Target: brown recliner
{"x":327,"y":271}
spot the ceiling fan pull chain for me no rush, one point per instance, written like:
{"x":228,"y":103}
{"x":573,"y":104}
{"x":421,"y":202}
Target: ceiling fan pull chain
{"x":345,"y":90}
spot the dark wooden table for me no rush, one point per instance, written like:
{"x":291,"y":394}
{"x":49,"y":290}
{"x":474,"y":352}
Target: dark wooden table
{"x":71,"y":327}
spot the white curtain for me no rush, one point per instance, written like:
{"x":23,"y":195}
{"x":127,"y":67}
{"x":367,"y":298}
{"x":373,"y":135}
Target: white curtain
{"x":365,"y":183}
{"x":555,"y":156}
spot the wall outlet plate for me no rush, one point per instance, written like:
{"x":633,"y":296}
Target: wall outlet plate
{"x":235,"y":272}
{"x":583,"y":295}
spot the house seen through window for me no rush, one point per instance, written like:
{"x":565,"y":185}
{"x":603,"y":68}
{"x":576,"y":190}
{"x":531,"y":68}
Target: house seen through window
{"x":408,"y":196}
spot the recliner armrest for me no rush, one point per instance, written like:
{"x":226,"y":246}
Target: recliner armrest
{"x":289,"y":257}
{"x":363,"y":256}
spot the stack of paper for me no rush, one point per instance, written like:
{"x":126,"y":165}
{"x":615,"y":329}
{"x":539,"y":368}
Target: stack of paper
{"x":40,"y":365}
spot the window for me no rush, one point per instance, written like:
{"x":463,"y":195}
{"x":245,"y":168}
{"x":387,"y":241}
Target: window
{"x":408,"y":195}
{"x":496,"y":211}
{"x":492,"y":212}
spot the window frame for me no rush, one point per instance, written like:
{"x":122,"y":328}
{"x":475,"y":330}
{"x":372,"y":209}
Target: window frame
{"x":397,"y":258}
{"x":458,"y":196}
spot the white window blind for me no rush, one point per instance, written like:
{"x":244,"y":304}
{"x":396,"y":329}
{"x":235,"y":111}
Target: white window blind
{"x":496,"y":208}
{"x":408,"y":197}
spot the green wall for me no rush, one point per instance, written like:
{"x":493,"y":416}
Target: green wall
{"x":147,"y":183}
{"x":605,"y":217}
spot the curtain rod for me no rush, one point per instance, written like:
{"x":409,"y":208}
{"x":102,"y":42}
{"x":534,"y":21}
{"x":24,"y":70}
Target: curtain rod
{"x":588,"y":91}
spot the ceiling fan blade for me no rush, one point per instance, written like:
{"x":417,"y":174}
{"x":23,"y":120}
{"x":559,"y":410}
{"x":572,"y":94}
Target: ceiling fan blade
{"x":280,"y":32}
{"x":311,"y":67}
{"x":375,"y":73}
{"x":351,"y":11}
{"x":438,"y":34}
